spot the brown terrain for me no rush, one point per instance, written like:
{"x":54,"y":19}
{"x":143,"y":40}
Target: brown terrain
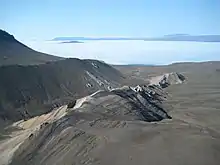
{"x":144,"y":125}
{"x":162,"y":115}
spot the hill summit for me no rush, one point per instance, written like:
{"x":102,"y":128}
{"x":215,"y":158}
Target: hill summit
{"x":14,"y":52}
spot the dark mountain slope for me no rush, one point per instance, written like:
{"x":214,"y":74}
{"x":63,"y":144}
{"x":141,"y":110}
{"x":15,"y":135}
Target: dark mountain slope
{"x":103,"y":111}
{"x":32,"y":90}
{"x":13,"y":52}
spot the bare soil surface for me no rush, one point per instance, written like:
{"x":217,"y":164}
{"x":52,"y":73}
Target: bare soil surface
{"x":111,"y":133}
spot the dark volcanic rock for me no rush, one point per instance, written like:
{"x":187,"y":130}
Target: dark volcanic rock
{"x":13,"y":52}
{"x":43,"y":87}
{"x":171,"y":78}
{"x":73,"y":138}
{"x":71,"y":104}
{"x":126,"y":103}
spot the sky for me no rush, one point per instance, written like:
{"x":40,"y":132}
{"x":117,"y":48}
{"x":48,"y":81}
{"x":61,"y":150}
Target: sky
{"x":35,"y":21}
{"x":46,"y":19}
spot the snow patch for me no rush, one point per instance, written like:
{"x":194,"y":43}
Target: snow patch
{"x":95,"y":79}
{"x":96,"y":66}
{"x":88,"y":85}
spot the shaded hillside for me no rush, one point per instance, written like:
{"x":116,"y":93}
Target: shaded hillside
{"x":101,"y":111}
{"x":126,"y":103}
{"x":24,"y":89}
{"x":14,"y":52}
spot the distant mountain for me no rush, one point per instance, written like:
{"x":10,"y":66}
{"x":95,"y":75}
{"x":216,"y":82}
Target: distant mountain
{"x":171,"y":37}
{"x":13,"y":52}
{"x":94,"y":38}
{"x":186,"y":37}
{"x":33,"y":90}
{"x":138,"y":65}
{"x":71,"y":42}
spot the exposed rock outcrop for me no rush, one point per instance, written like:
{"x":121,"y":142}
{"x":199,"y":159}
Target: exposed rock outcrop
{"x":168,"y":79}
{"x":127,"y":103}
{"x":103,"y":109}
{"x":43,"y":87}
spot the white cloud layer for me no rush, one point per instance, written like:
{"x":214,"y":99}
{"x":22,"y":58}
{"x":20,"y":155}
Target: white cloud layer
{"x":132,"y":52}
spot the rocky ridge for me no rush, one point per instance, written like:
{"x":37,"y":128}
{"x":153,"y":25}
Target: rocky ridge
{"x":111,"y":108}
{"x":168,"y":79}
{"x":28,"y":91}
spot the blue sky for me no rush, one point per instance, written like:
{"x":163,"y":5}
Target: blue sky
{"x":35,"y":21}
{"x":46,"y":19}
